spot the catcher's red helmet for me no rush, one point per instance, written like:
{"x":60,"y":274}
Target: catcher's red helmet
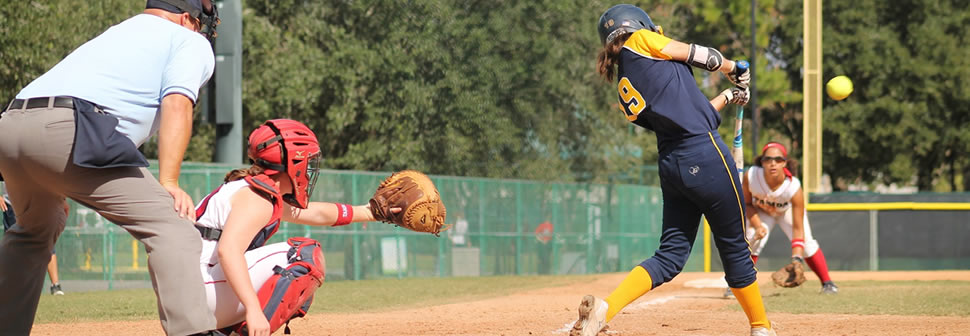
{"x":287,"y":146}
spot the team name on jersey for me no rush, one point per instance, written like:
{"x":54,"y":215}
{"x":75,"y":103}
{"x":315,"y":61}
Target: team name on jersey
{"x":769,"y":203}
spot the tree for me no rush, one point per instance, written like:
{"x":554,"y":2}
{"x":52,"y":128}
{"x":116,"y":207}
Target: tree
{"x":907,"y":116}
{"x":35,"y":35}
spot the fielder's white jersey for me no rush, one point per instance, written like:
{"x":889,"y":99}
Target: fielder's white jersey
{"x":215,"y":216}
{"x":761,"y":194}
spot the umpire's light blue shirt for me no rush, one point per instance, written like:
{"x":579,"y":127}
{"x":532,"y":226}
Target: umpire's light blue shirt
{"x":129,"y":68}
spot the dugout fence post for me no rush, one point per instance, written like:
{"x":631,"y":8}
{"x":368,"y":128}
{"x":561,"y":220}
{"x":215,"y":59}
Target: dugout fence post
{"x":556,"y":220}
{"x":104,"y":254}
{"x":518,"y":228}
{"x":400,"y":256}
{"x":208,"y":181}
{"x":111,"y":257}
{"x":481,"y":227}
{"x":622,"y":218}
{"x":441,"y":257}
{"x":356,"y":239}
{"x":873,"y":240}
{"x":590,"y":233}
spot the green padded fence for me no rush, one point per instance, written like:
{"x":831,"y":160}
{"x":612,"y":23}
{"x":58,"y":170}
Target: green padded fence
{"x":595,"y":228}
{"x":501,"y":227}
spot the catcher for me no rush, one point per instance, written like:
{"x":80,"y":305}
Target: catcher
{"x":256,"y":288}
{"x":774,"y":197}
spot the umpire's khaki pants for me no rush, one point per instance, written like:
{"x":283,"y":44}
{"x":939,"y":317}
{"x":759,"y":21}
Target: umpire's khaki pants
{"x":35,"y":161}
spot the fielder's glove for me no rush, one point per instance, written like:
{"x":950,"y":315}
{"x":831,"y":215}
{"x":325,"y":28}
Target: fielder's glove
{"x":740,"y":78}
{"x":792,"y":275}
{"x":416,"y":196}
{"x":736,"y":96}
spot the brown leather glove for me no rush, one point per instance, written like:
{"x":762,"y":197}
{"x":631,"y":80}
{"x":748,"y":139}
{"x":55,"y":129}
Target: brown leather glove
{"x":792,"y":275}
{"x":418,"y":198}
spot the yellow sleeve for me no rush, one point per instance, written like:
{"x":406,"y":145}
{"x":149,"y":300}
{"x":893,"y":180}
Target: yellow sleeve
{"x":648,"y":43}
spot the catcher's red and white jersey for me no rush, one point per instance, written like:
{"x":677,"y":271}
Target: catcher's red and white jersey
{"x":216,"y":213}
{"x":763,"y":197}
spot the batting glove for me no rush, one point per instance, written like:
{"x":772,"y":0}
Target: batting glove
{"x":740,"y":78}
{"x":736,"y":96}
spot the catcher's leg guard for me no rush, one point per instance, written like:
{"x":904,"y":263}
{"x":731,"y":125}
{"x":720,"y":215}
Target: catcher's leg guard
{"x":289,"y":292}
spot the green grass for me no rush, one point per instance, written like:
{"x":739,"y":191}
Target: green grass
{"x":340,"y":297}
{"x":932,"y":298}
{"x":116,"y":305}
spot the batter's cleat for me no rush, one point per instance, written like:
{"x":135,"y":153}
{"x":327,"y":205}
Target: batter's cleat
{"x":829,"y":287}
{"x":592,"y":317}
{"x":56,"y":289}
{"x":728,"y":294}
{"x":763,"y":332}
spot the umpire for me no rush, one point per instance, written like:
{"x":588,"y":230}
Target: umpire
{"x":75,"y":131}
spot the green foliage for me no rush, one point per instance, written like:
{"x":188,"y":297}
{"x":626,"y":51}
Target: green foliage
{"x":477,"y":89}
{"x":509,"y":89}
{"x":907,"y":119}
{"x":36,"y":35}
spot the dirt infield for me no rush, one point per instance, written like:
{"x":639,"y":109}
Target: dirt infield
{"x":672,"y":309}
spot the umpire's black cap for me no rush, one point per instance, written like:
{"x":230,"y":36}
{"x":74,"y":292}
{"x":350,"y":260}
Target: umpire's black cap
{"x":195,"y":7}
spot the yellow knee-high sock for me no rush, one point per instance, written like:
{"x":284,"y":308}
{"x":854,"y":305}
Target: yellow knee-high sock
{"x":750,"y":299}
{"x":637,"y":283}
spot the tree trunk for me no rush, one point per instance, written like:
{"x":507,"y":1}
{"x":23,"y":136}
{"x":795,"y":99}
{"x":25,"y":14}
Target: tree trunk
{"x":924,"y":182}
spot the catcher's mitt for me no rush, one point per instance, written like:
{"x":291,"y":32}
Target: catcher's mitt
{"x":420,"y":203}
{"x":792,"y":275}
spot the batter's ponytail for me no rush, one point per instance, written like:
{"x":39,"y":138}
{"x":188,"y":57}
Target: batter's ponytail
{"x":238,"y":174}
{"x":609,"y":57}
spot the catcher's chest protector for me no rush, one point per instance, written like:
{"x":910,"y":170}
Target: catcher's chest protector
{"x":289,"y":292}
{"x":264,"y":186}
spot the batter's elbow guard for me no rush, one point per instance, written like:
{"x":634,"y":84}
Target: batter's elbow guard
{"x":705,"y":58}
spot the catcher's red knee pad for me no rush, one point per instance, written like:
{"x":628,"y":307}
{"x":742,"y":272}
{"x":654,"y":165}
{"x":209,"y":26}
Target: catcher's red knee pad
{"x":289,"y":292}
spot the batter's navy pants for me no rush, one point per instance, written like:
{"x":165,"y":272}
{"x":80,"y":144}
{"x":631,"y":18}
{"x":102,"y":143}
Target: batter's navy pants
{"x":698,"y":176}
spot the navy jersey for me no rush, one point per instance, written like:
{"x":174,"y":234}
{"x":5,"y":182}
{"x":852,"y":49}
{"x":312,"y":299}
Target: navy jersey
{"x":660,"y":94}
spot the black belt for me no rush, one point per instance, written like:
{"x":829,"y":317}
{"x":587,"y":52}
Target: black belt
{"x":209,"y":233}
{"x":41,"y":102}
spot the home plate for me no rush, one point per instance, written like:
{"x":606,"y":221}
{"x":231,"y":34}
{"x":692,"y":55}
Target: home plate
{"x":707,"y":283}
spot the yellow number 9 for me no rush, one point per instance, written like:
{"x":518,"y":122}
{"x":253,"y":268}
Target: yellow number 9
{"x":632,"y":98}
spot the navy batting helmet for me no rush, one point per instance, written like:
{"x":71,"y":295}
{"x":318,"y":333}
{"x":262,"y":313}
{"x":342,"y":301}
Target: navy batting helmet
{"x":622,"y":19}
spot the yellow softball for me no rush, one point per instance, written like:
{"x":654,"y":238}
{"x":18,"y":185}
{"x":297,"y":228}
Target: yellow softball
{"x":839,"y":87}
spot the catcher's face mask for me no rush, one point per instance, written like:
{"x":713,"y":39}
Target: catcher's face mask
{"x":289,"y":147}
{"x":312,"y":172}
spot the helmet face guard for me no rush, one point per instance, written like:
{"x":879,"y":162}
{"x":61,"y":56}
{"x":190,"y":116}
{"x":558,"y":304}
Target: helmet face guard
{"x":312,"y":172}
{"x":288,"y":146}
{"x":303,"y":172}
{"x":622,"y":19}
